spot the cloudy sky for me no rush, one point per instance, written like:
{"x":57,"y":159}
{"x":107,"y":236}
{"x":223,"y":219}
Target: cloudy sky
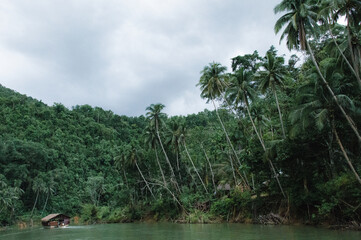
{"x":123,"y":55}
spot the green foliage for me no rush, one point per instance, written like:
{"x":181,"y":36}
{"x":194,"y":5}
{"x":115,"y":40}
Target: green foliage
{"x":287,"y":127}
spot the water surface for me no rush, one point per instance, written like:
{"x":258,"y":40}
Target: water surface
{"x":168,"y":231}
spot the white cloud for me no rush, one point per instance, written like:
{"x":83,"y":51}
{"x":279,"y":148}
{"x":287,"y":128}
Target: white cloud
{"x":125,"y":55}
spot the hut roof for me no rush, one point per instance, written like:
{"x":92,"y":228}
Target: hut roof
{"x":53,"y":215}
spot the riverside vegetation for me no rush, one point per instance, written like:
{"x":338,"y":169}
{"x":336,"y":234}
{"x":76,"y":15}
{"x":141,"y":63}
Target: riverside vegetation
{"x":283,"y":140}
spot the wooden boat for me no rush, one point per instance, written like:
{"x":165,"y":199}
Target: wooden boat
{"x":55,"y":220}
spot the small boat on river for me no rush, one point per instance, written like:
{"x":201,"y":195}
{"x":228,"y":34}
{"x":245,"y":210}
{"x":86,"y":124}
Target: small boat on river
{"x":55,"y":220}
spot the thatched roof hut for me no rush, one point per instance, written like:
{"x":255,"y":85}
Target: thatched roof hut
{"x":55,"y":220}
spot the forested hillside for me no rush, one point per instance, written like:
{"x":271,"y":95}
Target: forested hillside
{"x":283,"y":138}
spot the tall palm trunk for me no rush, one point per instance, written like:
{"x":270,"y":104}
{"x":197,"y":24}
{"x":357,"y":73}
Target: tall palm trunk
{"x":145,"y":181}
{"x":167,"y":159}
{"x":279,"y":112}
{"x":36,"y":200}
{"x":263,"y":146}
{"x":352,"y":52}
{"x":160,"y":167}
{"x":210,"y":167}
{"x":228,"y":140}
{"x":46,"y":201}
{"x":345,"y":154}
{"x":348,"y":118}
{"x":194,"y":167}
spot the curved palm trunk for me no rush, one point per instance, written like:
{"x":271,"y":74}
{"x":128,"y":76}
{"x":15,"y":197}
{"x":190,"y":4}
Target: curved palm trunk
{"x":228,"y":140}
{"x":279,"y":112}
{"x":348,"y":118}
{"x":195,"y":169}
{"x":160,"y":167}
{"x":345,"y":155}
{"x":210,"y":166}
{"x":145,"y":181}
{"x":263,"y":146}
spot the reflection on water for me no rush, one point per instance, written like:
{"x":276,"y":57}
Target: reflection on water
{"x":163,"y":231}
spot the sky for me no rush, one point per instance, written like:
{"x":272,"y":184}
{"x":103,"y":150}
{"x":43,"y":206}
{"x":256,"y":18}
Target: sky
{"x":124,"y":55}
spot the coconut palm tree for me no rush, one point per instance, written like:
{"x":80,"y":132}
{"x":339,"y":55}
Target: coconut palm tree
{"x":273,"y":75}
{"x":331,"y":11}
{"x":318,"y":109}
{"x":130,"y":156}
{"x":212,"y":84}
{"x":300,"y":21}
{"x":152,"y":141}
{"x":155,"y":116}
{"x":351,"y":10}
{"x":182,"y":140}
{"x":239,"y":91}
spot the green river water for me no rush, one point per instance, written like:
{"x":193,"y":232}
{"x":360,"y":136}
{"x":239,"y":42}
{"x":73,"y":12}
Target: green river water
{"x":167,"y":231}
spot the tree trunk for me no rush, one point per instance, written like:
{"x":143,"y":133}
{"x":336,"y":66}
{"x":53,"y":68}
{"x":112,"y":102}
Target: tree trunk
{"x":234,"y":175}
{"x":210,"y":166}
{"x":344,"y":57}
{"x":167,"y":159}
{"x":279,"y":112}
{"x":195,"y":169}
{"x":36,"y":200}
{"x":46,"y":201}
{"x":348,"y":118}
{"x":145,"y":181}
{"x":345,"y":155}
{"x":228,"y":140}
{"x":264,"y":147}
{"x":353,"y":58}
{"x":125,"y":178}
{"x":160,"y":167}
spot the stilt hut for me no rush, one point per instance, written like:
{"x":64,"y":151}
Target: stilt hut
{"x":55,"y":220}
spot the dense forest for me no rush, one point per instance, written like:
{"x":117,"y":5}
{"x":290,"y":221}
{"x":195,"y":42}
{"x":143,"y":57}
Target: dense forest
{"x":283,"y":138}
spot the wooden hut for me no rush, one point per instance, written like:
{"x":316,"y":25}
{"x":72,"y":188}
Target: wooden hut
{"x":55,"y":220}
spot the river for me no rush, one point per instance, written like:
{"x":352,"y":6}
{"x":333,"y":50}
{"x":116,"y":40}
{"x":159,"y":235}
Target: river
{"x":166,"y":231}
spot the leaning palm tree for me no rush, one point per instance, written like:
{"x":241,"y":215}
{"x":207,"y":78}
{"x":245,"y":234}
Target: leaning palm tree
{"x":351,"y":10}
{"x":300,"y":21}
{"x":213,"y":84}
{"x":152,"y":141}
{"x":239,"y":91}
{"x":273,"y":75}
{"x":317,"y":109}
{"x":155,"y":115}
{"x":130,"y":157}
{"x":182,"y":140}
{"x":330,"y":11}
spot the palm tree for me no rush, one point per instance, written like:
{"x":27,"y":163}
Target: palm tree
{"x":300,"y":21}
{"x":49,"y":190}
{"x":239,"y":91}
{"x":155,"y":115}
{"x":183,"y":142}
{"x":213,"y":84}
{"x":272,"y":76}
{"x":38,"y":186}
{"x":129,"y":157}
{"x":317,"y":109}
{"x":351,"y":9}
{"x":152,"y":142}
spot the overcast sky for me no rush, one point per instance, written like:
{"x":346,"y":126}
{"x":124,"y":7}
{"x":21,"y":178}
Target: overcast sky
{"x":123,"y":55}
